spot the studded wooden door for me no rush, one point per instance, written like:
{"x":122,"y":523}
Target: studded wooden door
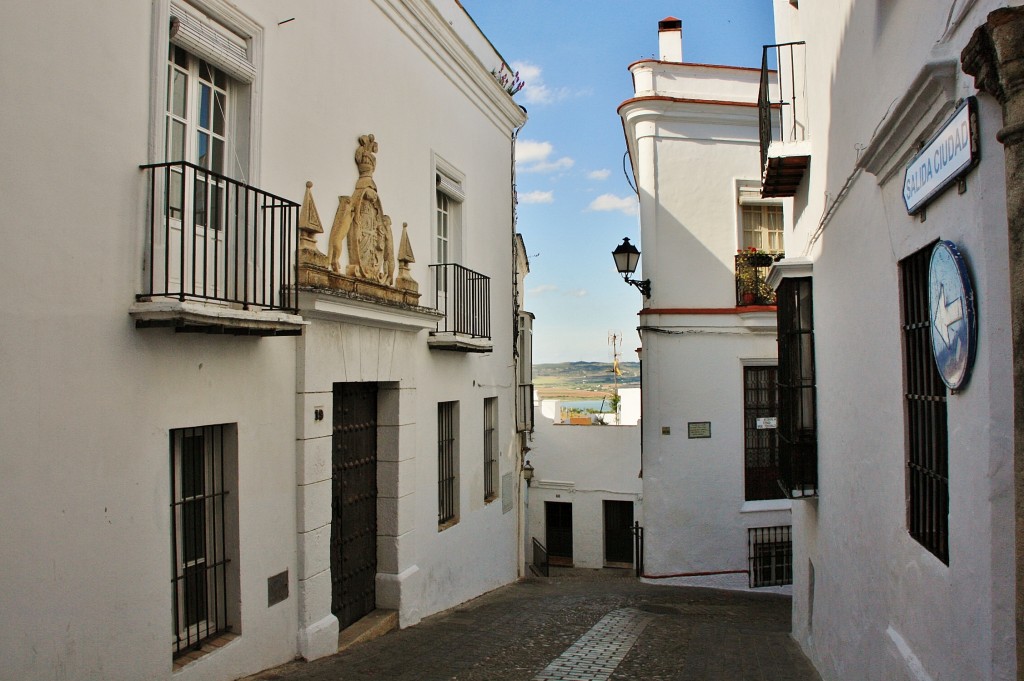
{"x":354,"y":501}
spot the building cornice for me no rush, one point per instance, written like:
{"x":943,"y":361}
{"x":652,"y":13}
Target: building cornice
{"x":685,"y":100}
{"x":695,"y":64}
{"x":434,"y":37}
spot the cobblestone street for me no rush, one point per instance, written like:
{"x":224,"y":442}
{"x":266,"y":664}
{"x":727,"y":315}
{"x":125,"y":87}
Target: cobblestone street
{"x":582,"y":625}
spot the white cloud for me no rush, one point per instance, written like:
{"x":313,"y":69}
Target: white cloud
{"x":533,"y":156}
{"x":577,"y":293}
{"x":530,"y":151}
{"x":542,"y":289}
{"x":610,"y":202}
{"x":536,"y":90}
{"x":563,"y":163}
{"x":537,"y":197}
{"x":599,"y":174}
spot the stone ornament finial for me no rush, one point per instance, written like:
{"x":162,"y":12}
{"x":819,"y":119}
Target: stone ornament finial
{"x":405,"y":281}
{"x":309,"y":226}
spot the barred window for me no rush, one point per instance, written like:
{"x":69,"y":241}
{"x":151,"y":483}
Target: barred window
{"x":761,"y":453}
{"x":447,"y":463}
{"x":770,"y":554}
{"x":201,"y":540}
{"x":798,"y":440}
{"x":490,"y":448}
{"x":925,"y":405}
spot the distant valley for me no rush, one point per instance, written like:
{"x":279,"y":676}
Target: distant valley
{"x":582,"y":380}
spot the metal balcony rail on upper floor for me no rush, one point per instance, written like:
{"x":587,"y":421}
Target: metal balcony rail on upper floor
{"x":218,"y":240}
{"x":752,"y":278}
{"x":782,"y":117}
{"x":464,"y":297}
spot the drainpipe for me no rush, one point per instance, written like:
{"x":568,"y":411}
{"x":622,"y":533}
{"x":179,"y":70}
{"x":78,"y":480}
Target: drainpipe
{"x":995,"y":57}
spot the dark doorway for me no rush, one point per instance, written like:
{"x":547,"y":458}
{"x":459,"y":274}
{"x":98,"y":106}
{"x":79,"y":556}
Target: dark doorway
{"x":618,"y":533}
{"x":354,"y":501}
{"x":558,"y":523}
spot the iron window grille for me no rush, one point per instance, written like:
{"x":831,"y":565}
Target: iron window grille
{"x":446,"y":462}
{"x":797,"y":424}
{"x":198,"y":535}
{"x":761,"y":451}
{"x":925,"y":405}
{"x":490,"y":448}
{"x":770,"y":555}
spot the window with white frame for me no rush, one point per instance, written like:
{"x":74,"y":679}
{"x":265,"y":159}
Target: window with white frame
{"x":490,"y":448}
{"x":447,"y":248}
{"x":203,"y":534}
{"x":211,"y":73}
{"x":761,"y":221}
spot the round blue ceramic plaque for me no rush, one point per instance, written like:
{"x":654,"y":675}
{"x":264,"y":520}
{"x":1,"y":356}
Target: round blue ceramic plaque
{"x":952,"y":312}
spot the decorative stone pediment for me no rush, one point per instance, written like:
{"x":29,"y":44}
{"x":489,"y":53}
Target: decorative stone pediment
{"x":363,"y":233}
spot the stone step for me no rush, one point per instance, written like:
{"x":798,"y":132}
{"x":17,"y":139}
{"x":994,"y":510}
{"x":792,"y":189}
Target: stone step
{"x":373,"y":625}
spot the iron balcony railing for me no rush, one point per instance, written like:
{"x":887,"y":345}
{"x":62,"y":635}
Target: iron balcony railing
{"x":752,"y":278}
{"x":214,"y":239}
{"x":464,"y":297}
{"x":781,"y":102}
{"x":524,"y":408}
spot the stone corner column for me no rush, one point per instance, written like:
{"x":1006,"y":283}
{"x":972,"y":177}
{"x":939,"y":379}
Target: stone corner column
{"x":995,"y":57}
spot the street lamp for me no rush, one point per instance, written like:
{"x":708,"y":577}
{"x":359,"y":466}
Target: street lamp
{"x":626,"y":258}
{"x":527,"y":473}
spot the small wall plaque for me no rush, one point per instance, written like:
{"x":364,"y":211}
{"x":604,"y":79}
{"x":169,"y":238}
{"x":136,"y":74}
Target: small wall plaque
{"x":767,"y":422}
{"x":277,"y":588}
{"x":698,"y":429}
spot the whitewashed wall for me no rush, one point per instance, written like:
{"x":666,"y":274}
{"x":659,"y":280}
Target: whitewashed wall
{"x":692,"y":136}
{"x":85,"y":584}
{"x":584,"y":466}
{"x":881,"y":606}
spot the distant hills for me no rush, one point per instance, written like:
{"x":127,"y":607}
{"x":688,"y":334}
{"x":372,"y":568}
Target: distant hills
{"x":582,"y":379}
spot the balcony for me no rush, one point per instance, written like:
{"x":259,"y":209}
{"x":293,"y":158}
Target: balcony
{"x":782,"y":120}
{"x":220,"y":255}
{"x":752,"y":278}
{"x":464,"y":298}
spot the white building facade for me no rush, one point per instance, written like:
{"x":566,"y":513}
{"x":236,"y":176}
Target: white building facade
{"x":903,"y":535}
{"x":713,"y":512}
{"x":586,"y":494}
{"x":270,"y":423}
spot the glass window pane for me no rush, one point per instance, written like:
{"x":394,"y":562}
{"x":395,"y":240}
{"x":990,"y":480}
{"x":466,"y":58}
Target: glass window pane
{"x":220,"y":105}
{"x":220,"y":79}
{"x":204,"y":107}
{"x":218,"y":156}
{"x":205,"y":71}
{"x":174,"y":198}
{"x":179,"y":56}
{"x":175,"y":140}
{"x":179,"y":94}
{"x":203,"y":150}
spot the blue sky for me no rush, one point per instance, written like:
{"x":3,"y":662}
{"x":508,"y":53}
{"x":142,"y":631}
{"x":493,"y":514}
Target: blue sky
{"x":575,"y":203}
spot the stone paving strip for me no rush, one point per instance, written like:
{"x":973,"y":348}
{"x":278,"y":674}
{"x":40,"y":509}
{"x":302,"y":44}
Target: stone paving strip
{"x":596,"y":654}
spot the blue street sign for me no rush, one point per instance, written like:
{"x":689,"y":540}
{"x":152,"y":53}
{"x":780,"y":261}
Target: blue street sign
{"x":953,"y":316}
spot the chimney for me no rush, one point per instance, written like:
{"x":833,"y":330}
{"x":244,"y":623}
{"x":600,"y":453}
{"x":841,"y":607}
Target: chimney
{"x":670,"y":39}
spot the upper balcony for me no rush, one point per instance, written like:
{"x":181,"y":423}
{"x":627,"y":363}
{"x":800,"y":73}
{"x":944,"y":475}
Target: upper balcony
{"x":782,"y":120}
{"x":220,"y":255}
{"x":464,"y":297}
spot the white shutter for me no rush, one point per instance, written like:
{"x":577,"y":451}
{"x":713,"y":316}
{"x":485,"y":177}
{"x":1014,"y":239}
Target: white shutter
{"x":207,"y":40}
{"x":451,"y":188}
